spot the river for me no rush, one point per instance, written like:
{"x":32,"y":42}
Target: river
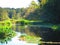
{"x":19,"y":30}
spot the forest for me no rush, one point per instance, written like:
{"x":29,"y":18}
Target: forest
{"x":46,"y":14}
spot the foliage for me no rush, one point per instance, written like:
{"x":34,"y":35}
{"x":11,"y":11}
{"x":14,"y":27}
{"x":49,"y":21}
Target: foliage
{"x":47,"y":12}
{"x":5,"y":24}
{"x":55,"y":27}
{"x":30,"y":39}
{"x":6,"y":35}
{"x":50,"y":11}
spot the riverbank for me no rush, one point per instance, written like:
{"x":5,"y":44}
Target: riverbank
{"x":15,"y":41}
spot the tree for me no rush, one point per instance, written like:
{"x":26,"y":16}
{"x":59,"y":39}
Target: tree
{"x":30,"y":10}
{"x":13,"y":14}
{"x":18,"y":16}
{"x":50,"y":11}
{"x":0,"y":14}
{"x":4,"y":14}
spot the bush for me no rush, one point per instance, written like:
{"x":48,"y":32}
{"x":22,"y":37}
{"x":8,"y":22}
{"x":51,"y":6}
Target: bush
{"x":6,"y":35}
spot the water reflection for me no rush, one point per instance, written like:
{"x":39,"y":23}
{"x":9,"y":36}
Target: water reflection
{"x":15,"y":41}
{"x":39,"y":29}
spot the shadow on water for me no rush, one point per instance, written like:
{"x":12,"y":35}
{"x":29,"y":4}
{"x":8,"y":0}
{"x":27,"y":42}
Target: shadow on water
{"x":47,"y":34}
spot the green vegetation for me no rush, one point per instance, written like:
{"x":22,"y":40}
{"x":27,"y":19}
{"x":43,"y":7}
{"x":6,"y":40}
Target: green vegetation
{"x":46,"y":12}
{"x":6,"y":35}
{"x":5,"y":24}
{"x":29,"y":39}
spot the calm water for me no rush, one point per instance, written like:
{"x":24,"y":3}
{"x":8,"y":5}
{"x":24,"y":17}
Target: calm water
{"x":19,"y":29}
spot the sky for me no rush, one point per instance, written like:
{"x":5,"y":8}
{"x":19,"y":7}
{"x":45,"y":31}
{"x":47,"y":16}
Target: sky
{"x":15,"y":3}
